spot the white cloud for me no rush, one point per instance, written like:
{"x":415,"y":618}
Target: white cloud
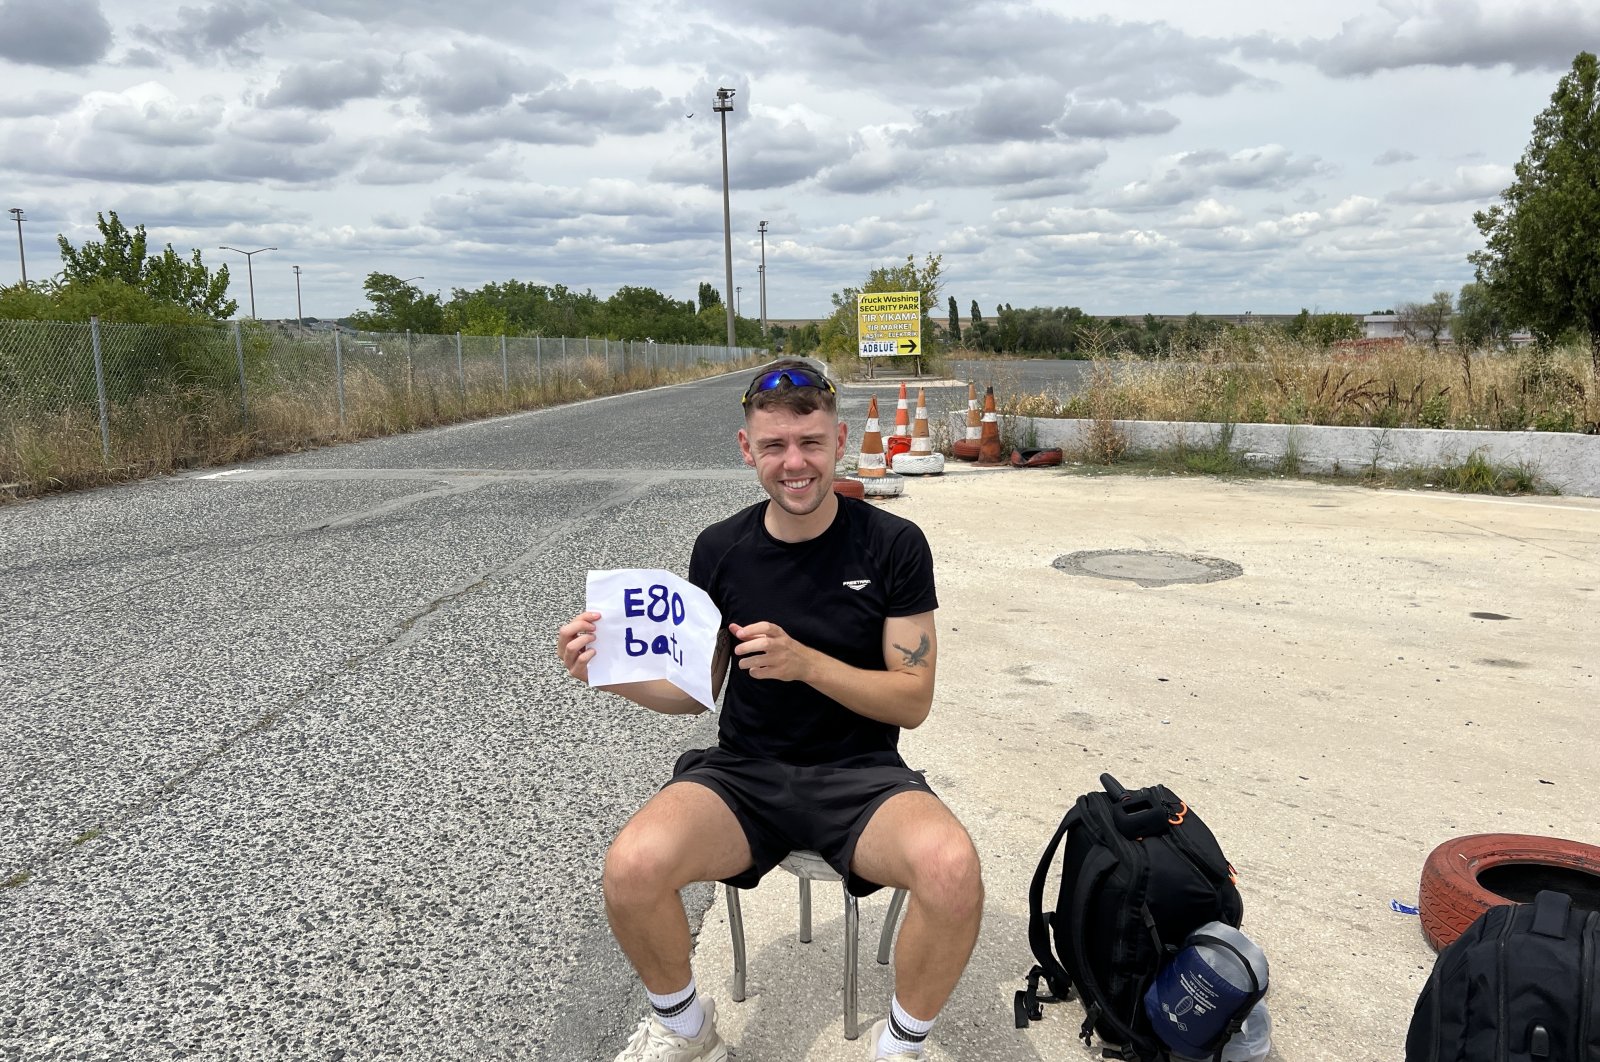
{"x":1531,"y":35}
{"x":1192,"y":174}
{"x":1208,"y":213}
{"x":1467,"y":184}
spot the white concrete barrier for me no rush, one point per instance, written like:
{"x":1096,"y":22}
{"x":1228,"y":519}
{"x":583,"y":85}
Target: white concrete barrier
{"x":1567,"y":461}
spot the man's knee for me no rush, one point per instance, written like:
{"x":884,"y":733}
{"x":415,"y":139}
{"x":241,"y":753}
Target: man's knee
{"x":948,"y":875}
{"x":639,"y":865}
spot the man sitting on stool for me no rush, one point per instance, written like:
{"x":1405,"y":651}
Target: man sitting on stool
{"x":829,"y":606}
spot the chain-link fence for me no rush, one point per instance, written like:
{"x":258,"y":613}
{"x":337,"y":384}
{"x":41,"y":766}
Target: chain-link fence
{"x":96,"y":402}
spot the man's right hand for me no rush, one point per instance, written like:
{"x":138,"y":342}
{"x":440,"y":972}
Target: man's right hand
{"x":575,"y":644}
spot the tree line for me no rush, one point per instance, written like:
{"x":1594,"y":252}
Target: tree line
{"x":517,"y":308}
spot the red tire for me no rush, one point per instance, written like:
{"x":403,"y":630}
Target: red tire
{"x":849,"y":488}
{"x":1466,"y":876}
{"x":965,"y":449}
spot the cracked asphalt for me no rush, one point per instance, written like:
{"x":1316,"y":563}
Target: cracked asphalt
{"x":288,"y":768}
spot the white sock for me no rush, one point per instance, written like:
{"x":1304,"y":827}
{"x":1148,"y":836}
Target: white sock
{"x":902,"y":1033}
{"x":680,"y":1011}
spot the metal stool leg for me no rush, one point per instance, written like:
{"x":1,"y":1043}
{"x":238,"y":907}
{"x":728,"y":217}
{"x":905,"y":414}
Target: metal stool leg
{"x":736,"y":927}
{"x":805,"y":910}
{"x":889,"y":920}
{"x":852,"y":937}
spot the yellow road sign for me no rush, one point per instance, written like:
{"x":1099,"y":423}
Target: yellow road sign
{"x":889,"y":322}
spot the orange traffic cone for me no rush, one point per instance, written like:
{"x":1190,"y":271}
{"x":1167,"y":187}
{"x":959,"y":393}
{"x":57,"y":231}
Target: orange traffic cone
{"x":898,"y":441}
{"x":989,"y":439}
{"x":902,"y":426}
{"x":871,"y":464}
{"x":920,"y":460}
{"x":871,"y":469}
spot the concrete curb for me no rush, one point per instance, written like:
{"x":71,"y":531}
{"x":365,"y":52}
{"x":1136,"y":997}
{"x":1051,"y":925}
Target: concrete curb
{"x":1567,"y":461}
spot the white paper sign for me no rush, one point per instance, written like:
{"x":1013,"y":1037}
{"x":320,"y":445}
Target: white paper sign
{"x":653,"y":625}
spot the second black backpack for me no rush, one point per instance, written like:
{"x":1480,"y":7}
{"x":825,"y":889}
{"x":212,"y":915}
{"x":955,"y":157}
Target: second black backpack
{"x":1139,"y":873}
{"x":1521,"y":984}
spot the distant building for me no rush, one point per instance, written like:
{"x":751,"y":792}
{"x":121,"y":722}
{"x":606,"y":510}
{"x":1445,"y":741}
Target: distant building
{"x":1385,"y":326}
{"x":1388,"y":326}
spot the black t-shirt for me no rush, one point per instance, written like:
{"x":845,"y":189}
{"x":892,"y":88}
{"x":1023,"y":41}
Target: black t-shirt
{"x":831,"y":593}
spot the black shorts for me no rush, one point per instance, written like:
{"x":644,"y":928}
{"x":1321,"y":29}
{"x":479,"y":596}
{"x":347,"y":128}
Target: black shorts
{"x":784,"y":808}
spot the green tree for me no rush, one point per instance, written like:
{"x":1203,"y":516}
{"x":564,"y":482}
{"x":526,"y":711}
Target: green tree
{"x":1479,"y":321}
{"x":120,"y":255}
{"x":955,"y":321}
{"x":1541,"y":258}
{"x":710,"y":298}
{"x":979,"y":327}
{"x":1428,"y":321}
{"x":1322,"y":329}
{"x":398,"y":306}
{"x":109,"y":299}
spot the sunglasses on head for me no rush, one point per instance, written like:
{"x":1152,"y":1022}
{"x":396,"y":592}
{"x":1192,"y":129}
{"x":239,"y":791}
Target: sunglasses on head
{"x":796,"y":377}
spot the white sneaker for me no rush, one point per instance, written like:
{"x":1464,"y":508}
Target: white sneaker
{"x":654,"y":1042}
{"x":901,"y":1056}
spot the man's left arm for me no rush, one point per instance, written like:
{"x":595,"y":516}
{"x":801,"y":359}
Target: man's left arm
{"x":900,"y":695}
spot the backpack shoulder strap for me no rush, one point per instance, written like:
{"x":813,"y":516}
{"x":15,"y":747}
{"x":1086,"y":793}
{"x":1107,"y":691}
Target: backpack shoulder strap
{"x":1038,"y":920}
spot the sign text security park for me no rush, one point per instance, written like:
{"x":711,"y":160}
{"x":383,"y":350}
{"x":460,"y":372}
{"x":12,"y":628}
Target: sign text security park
{"x":889,"y":322}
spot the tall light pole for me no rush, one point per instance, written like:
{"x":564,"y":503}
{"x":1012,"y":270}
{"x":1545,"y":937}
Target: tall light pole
{"x":249,"y":268}
{"x":762,"y":228}
{"x":738,"y":302}
{"x":22,"y":256}
{"x":723,"y":105}
{"x":299,"y":311}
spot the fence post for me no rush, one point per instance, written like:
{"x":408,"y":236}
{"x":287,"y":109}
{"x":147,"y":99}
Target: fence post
{"x":505,"y":369}
{"x":606,"y":352}
{"x":538,"y":366}
{"x":461,"y":370}
{"x":338,"y":372}
{"x":410,"y":372}
{"x":100,"y":387}
{"x":238,"y":348}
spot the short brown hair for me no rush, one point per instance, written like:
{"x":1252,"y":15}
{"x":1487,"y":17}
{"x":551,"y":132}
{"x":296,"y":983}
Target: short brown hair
{"x":786,"y":395}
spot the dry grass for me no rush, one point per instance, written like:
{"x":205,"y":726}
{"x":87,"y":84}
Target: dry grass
{"x":1280,"y":382}
{"x":176,"y":429}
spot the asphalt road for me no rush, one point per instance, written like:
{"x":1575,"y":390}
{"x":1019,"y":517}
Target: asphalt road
{"x":288,"y":768}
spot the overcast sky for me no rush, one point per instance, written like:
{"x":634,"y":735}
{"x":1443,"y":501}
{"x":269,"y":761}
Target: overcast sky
{"x":1257,"y":155}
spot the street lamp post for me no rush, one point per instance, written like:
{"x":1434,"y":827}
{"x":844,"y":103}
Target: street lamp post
{"x":299,"y":310}
{"x":249,"y":268}
{"x":723,"y":105}
{"x":22,"y":256}
{"x":762,"y":228}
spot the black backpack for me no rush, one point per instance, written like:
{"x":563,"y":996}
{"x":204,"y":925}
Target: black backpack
{"x":1139,"y":873}
{"x":1521,"y":984}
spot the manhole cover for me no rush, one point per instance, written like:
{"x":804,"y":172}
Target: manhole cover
{"x":1148,"y":567}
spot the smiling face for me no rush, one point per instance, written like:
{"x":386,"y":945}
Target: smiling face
{"x":794,"y":455}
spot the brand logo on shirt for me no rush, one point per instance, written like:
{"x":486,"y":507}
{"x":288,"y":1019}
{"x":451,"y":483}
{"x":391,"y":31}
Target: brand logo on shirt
{"x":857,"y":584}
